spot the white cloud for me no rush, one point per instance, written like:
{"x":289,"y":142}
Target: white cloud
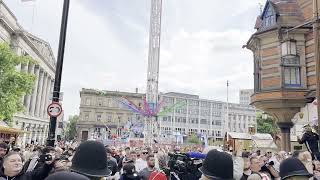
{"x":202,"y":62}
{"x":201,"y":45}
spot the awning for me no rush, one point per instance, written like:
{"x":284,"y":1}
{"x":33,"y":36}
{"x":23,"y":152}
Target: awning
{"x":264,"y":144}
{"x":11,"y":130}
{"x":235,"y":135}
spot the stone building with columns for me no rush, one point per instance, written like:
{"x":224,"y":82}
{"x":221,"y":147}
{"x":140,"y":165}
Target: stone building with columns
{"x":284,"y":64}
{"x":34,"y":119}
{"x":100,"y":114}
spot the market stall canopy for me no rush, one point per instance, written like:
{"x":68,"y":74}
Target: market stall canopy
{"x":5,"y":128}
{"x":263,"y":141}
{"x":235,"y":135}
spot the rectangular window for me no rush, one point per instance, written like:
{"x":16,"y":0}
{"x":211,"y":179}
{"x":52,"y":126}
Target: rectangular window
{"x":109,"y":118}
{"x":86,"y":117}
{"x":60,"y":125}
{"x":257,"y":80}
{"x":292,"y":76}
{"x":203,"y":121}
{"x":218,"y":123}
{"x":291,"y":69}
{"x":88,"y":101}
{"x":98,"y":117}
{"x":100,"y":102}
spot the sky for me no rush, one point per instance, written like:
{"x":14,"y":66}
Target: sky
{"x":107,"y":45}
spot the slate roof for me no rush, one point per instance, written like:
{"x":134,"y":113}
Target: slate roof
{"x":288,"y":14}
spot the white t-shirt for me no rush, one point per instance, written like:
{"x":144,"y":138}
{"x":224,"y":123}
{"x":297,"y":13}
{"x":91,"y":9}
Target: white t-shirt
{"x":140,"y":164}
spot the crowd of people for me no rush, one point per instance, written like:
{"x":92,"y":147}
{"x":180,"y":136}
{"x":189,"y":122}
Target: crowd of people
{"x":92,"y":160}
{"x":96,"y":161}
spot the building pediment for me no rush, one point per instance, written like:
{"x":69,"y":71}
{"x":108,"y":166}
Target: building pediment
{"x":43,"y":47}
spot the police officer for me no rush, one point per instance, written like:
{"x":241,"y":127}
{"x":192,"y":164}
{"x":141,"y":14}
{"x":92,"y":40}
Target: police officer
{"x":310,"y":139}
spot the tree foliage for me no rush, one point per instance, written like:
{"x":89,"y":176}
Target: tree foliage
{"x":194,"y":139}
{"x":267,"y":125}
{"x":13,"y":83}
{"x":71,"y":128}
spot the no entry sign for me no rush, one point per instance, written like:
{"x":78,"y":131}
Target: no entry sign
{"x":54,"y":109}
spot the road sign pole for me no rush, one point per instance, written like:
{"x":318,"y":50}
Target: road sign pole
{"x":57,"y":80}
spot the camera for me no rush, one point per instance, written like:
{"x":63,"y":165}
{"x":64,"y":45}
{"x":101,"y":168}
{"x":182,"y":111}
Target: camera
{"x":183,"y":166}
{"x":271,"y":163}
{"x":45,"y":157}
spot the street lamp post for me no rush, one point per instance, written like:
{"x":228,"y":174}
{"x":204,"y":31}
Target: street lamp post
{"x":58,"y":74}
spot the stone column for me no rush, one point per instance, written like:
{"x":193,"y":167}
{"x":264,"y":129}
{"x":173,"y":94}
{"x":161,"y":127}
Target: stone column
{"x":49,"y":86}
{"x":285,"y":135}
{"x":47,"y":98}
{"x":44,"y":94}
{"x":27,"y":98}
{"x":34,"y":91}
{"x":283,"y":118}
{"x":40,"y":85}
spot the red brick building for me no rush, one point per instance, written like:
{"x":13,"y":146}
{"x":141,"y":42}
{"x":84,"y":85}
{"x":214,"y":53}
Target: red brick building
{"x":284,"y":63}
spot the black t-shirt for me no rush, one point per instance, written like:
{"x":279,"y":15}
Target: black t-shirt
{"x":112,"y":166}
{"x":117,"y":157}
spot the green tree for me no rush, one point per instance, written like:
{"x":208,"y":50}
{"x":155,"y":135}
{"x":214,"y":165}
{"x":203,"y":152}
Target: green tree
{"x":13,"y":83}
{"x":194,"y":139}
{"x":71,"y":128}
{"x":266,"y":125}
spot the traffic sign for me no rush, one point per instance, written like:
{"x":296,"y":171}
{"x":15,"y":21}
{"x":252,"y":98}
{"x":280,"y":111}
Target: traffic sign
{"x":54,"y":109}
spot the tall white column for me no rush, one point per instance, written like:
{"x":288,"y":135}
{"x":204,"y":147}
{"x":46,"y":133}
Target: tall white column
{"x":40,"y":87}
{"x":44,"y":94}
{"x":35,"y":91}
{"x":27,"y":98}
{"x":46,"y":101}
